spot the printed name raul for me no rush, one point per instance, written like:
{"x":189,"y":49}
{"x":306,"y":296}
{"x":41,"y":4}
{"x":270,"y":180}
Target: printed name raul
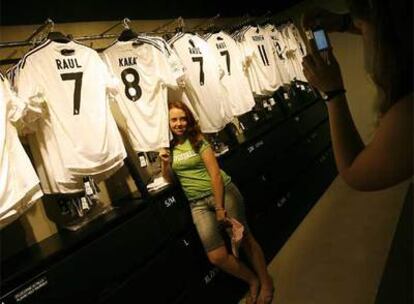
{"x":258,"y":38}
{"x":221,"y":45}
{"x":194,"y":51}
{"x":69,"y":63}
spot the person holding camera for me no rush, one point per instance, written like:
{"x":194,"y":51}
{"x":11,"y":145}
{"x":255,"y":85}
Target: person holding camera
{"x":214,"y":201}
{"x":387,"y":31}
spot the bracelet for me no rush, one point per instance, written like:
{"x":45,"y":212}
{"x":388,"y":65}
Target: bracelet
{"x":329,"y":95}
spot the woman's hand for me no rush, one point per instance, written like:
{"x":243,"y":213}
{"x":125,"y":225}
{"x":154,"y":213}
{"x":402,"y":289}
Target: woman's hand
{"x":221,"y":215}
{"x":323,"y":74}
{"x":164,"y":154}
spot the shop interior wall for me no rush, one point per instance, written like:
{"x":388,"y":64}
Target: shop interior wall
{"x":347,"y":48}
{"x":36,"y":224}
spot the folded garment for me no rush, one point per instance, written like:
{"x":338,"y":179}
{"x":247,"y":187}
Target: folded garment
{"x":236,"y":235}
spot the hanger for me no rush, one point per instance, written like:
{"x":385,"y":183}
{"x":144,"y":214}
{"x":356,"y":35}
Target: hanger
{"x":127,"y":35}
{"x":58,"y":37}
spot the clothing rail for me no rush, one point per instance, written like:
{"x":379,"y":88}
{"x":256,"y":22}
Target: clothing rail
{"x":79,"y":38}
{"x":124,"y":23}
{"x":41,"y":28}
{"x":207,"y":22}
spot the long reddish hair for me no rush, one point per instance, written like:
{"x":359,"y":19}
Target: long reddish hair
{"x":193,"y":131}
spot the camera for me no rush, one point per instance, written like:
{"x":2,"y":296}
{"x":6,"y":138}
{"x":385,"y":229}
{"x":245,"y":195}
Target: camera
{"x":321,"y":39}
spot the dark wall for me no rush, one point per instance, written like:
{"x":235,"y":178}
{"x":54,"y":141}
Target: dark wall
{"x":36,"y":12}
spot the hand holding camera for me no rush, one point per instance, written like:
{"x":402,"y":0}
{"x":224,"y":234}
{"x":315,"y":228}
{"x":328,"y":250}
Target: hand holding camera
{"x":320,"y":66}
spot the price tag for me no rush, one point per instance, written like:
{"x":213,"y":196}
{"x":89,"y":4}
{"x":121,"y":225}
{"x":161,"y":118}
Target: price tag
{"x":88,"y":188}
{"x":272,"y":101}
{"x":84,"y":203}
{"x":142,"y":161}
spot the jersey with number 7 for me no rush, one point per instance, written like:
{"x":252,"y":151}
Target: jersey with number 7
{"x":74,"y":82}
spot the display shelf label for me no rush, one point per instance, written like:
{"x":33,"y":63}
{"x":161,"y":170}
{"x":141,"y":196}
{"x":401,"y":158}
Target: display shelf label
{"x":255,"y":146}
{"x":23,"y":293}
{"x":170,"y":201}
{"x":210,"y":275}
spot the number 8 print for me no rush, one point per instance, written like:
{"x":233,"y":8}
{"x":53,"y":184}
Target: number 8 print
{"x":132,"y":89}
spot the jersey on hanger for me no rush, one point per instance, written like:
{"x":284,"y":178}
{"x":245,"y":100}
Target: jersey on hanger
{"x":74,"y":83}
{"x":280,"y":52}
{"x":204,"y":90}
{"x":19,"y":185}
{"x":144,"y":72}
{"x":259,"y":52}
{"x":235,"y":80}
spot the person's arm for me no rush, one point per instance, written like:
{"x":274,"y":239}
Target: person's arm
{"x":165,"y":164}
{"x":387,"y":160}
{"x":331,"y":22}
{"x":217,"y":185}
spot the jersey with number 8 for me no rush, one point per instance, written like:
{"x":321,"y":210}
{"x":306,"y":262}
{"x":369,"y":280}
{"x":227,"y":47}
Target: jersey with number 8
{"x":144,"y":73}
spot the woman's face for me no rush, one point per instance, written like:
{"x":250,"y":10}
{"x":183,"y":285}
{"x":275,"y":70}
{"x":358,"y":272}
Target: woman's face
{"x":178,"y":122}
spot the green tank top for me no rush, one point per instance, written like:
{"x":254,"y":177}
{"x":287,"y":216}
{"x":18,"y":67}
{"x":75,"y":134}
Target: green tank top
{"x":192,"y":172}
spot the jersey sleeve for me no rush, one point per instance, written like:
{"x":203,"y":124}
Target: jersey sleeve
{"x":28,"y":105}
{"x":246,"y":52}
{"x":167,"y":71}
{"x":111,"y":82}
{"x":26,"y":84}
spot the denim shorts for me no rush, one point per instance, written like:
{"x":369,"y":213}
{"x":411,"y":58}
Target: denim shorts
{"x":204,"y":216}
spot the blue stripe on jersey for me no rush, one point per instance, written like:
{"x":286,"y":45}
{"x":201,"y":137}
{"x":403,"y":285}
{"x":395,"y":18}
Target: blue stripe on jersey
{"x":164,"y":43}
{"x":38,"y":48}
{"x":111,"y":45}
{"x":207,"y":36}
{"x":151,"y":42}
{"x":175,"y":38}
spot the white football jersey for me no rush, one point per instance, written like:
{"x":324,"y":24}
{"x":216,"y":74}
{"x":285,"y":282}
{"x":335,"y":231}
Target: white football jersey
{"x":205,"y":92}
{"x":235,"y":80}
{"x":173,"y":59}
{"x":296,"y":49}
{"x":280,"y":52}
{"x":74,"y":82}
{"x":144,"y":74}
{"x":259,"y":52}
{"x":19,"y":184}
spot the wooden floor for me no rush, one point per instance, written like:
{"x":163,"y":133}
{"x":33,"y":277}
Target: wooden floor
{"x":339,"y":251}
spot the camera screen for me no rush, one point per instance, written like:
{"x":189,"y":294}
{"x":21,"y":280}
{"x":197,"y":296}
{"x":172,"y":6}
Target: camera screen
{"x":321,"y":40}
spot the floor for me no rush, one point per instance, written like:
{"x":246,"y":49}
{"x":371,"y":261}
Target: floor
{"x":338,"y":253}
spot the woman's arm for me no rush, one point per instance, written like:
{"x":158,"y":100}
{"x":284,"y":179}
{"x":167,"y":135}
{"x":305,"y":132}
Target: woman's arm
{"x":165,"y":164}
{"x":217,"y":185}
{"x":386,"y":160}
